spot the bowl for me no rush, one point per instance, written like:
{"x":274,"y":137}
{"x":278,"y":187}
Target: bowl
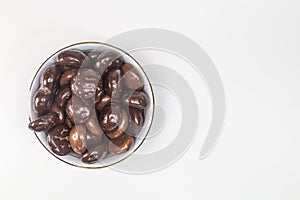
{"x":92,"y":51}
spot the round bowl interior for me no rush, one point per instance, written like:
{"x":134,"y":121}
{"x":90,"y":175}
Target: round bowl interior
{"x":72,"y":158}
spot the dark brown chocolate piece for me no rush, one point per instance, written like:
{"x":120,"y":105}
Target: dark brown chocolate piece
{"x":63,"y":96}
{"x":120,"y":144}
{"x":44,"y":123}
{"x":77,"y":139}
{"x":42,"y":101}
{"x":104,"y":101}
{"x":137,"y":99}
{"x":121,"y":127}
{"x":50,"y":78}
{"x":94,"y":155}
{"x":136,"y":121}
{"x":72,"y":58}
{"x":59,"y":112}
{"x":113,"y":83}
{"x":58,"y":140}
{"x":110,"y":118}
{"x":67,"y":76}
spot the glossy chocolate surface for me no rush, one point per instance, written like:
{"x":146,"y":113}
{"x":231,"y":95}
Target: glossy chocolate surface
{"x":44,"y":123}
{"x":137,"y":99}
{"x":77,"y":138}
{"x":42,"y":100}
{"x":67,"y":76}
{"x":110,"y":118}
{"x":63,"y":96}
{"x":50,"y":78}
{"x":58,"y":140}
{"x":73,"y":58}
{"x":136,"y":121}
{"x":121,"y":126}
{"x":121,"y":144}
{"x":113,"y":83}
{"x":104,"y":101}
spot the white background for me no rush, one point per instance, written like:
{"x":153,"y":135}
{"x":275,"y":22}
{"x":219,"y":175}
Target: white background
{"x":255,"y":46}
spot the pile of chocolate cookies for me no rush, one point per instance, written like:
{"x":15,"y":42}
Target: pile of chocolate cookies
{"x":90,"y":103}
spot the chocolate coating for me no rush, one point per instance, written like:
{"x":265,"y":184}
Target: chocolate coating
{"x":42,"y":101}
{"x":131,"y":77}
{"x":104,"y":101}
{"x":58,"y":140}
{"x":77,"y":111}
{"x":136,"y":121}
{"x":110,"y":118}
{"x":85,"y":83}
{"x":120,"y":144}
{"x":67,"y":76}
{"x":113,"y":83}
{"x":44,"y":123}
{"x":137,"y":99}
{"x":107,"y":60}
{"x":121,"y":127}
{"x":50,"y":78}
{"x":72,"y":58}
{"x":77,"y":138}
{"x":59,"y":112}
{"x":63,"y":96}
{"x":96,"y":154}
